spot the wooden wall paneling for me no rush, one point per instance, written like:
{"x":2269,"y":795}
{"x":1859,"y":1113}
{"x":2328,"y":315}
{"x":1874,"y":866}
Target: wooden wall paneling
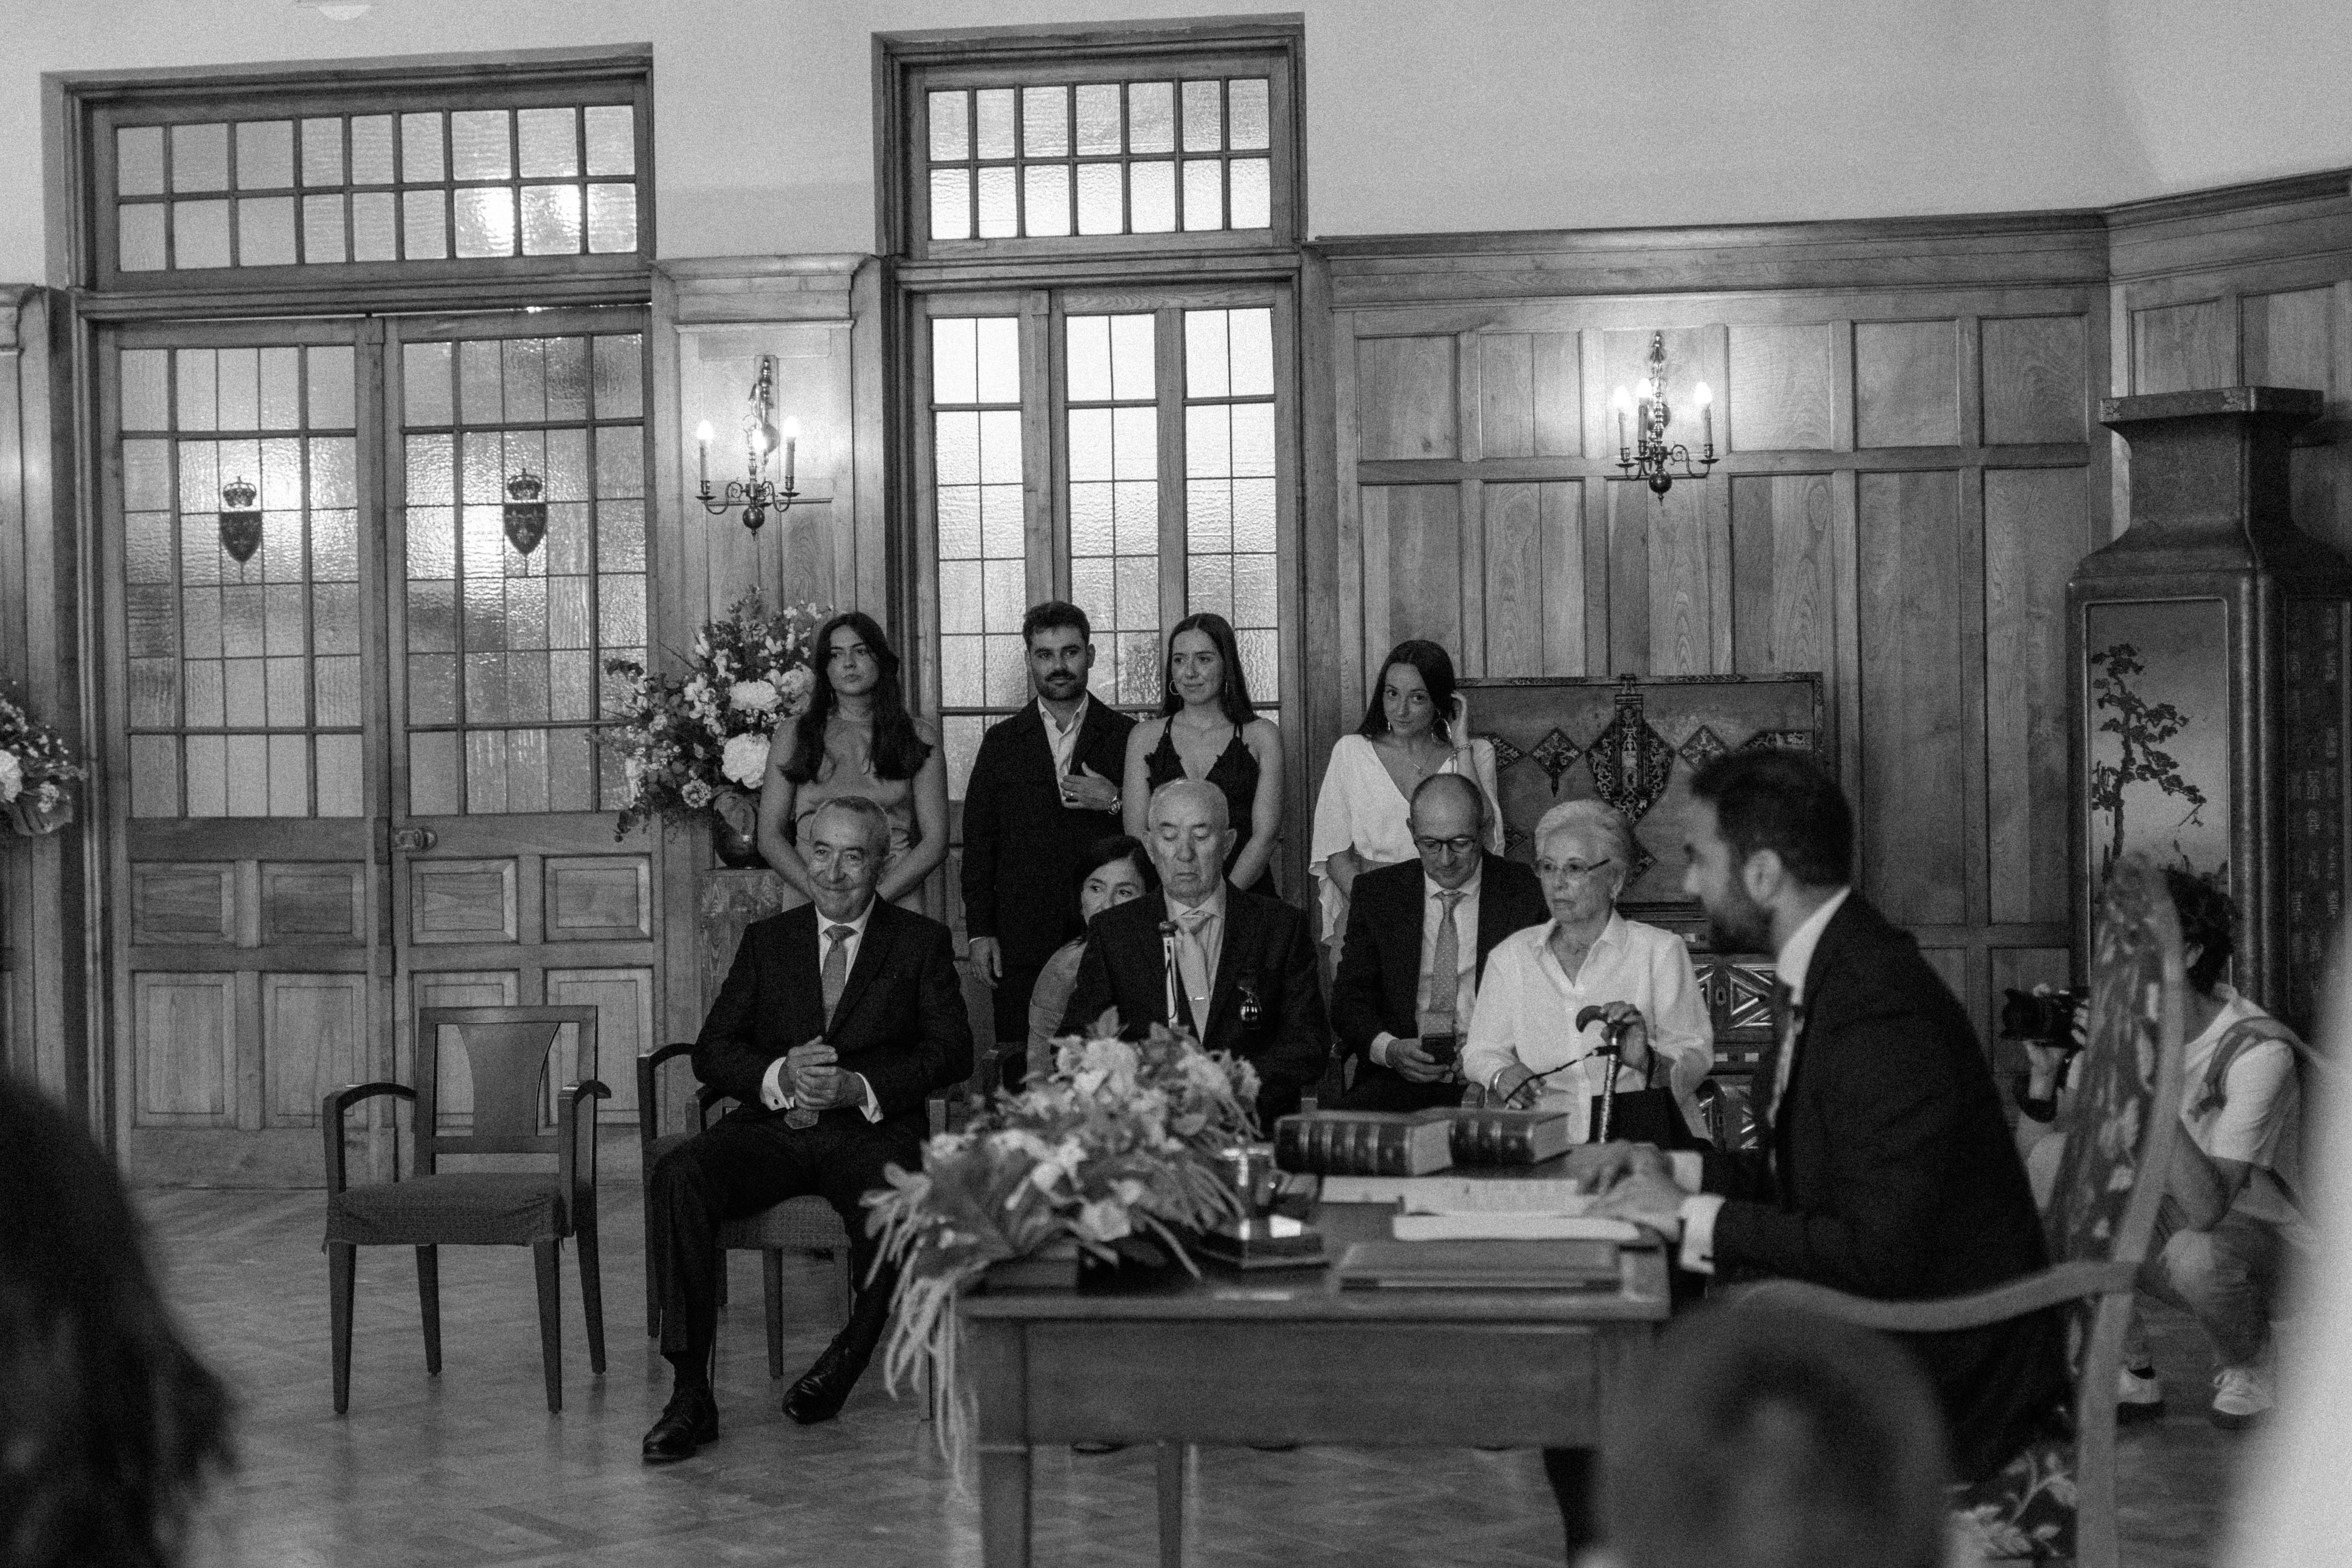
{"x":314,"y":1038}
{"x":1785,"y":610}
{"x":183,"y":901}
{"x":1320,"y":563}
{"x":1565,"y":555}
{"x":2036,"y":527}
{"x":1516,"y":588}
{"x":598,"y":897}
{"x":1556,"y":376}
{"x":2183,"y":348}
{"x":1907,"y":387}
{"x":1469,"y":646}
{"x":463,"y":901}
{"x":1628,"y":598}
{"x":1599,"y":503}
{"x":313,"y":901}
{"x":1417,"y":535}
{"x":184,"y":1027}
{"x":2031,"y":379}
{"x":624,"y":1000}
{"x":1682,"y":620}
{"x":1968,"y":549}
{"x":1408,"y":397}
{"x":1910,"y":577}
{"x":1353,"y":558}
{"x":1506,"y":397}
{"x":2288,"y":339}
{"x":1780,"y":393}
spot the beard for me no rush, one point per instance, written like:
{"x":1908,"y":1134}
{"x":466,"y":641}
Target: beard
{"x":1737,"y":924}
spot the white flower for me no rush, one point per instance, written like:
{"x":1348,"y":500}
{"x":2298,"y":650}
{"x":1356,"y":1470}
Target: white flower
{"x":1103,"y":1220}
{"x":697,"y":795}
{"x":792,"y":688}
{"x":12,"y":776}
{"x":745,"y":760}
{"x":753,"y":697}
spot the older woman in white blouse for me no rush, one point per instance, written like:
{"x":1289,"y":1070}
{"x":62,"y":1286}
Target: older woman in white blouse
{"x":1524,"y":1045}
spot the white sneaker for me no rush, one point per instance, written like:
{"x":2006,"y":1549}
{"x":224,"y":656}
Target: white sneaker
{"x":2139,"y":1396}
{"x":2241,"y":1395}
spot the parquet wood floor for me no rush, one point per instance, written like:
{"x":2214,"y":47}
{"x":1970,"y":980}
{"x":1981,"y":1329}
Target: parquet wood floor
{"x":469,"y":1470}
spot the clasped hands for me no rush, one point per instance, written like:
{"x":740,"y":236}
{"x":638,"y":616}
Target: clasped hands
{"x":814,"y":1080}
{"x":1516,"y":1087}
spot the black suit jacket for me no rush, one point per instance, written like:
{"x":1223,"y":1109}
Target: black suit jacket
{"x":1267,"y":956}
{"x":1021,"y":846}
{"x":901,"y":1020}
{"x":1892,"y":1174}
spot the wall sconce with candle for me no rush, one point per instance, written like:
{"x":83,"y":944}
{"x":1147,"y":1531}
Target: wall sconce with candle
{"x":755,"y":492}
{"x":1650,"y":455}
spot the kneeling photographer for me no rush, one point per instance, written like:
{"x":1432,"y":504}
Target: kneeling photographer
{"x":2230,"y":1226}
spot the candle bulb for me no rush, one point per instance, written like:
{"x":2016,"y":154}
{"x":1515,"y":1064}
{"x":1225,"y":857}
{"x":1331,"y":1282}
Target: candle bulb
{"x":702,"y":450}
{"x":1621,"y":400}
{"x":791,"y":441}
{"x":1706,"y":400}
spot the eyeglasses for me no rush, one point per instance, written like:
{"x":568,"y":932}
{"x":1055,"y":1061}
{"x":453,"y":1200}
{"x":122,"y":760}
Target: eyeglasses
{"x":1572,"y":870}
{"x":1460,"y":844}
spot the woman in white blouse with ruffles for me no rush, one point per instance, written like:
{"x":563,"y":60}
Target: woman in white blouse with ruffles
{"x":1413,"y":727}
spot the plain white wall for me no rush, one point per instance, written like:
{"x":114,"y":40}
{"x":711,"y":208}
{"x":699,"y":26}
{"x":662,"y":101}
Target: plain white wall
{"x":1422,"y":117}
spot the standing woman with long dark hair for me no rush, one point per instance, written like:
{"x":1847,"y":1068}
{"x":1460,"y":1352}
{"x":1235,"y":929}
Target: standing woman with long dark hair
{"x":1209,"y":730}
{"x":857,"y":738}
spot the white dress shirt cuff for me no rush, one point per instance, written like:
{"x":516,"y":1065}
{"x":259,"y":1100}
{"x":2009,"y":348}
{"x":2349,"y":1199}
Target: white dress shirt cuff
{"x":771,"y":1087}
{"x":1698,"y":1212}
{"x":871,"y":1106}
{"x":1688,"y":1169}
{"x":1379,"y":1049}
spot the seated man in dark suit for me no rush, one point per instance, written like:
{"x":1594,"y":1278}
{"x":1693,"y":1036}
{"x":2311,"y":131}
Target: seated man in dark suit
{"x":1244,"y":979}
{"x":837,"y":1022}
{"x":1417,"y":940}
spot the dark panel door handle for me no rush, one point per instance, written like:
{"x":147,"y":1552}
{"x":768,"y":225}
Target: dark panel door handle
{"x":413,"y":840}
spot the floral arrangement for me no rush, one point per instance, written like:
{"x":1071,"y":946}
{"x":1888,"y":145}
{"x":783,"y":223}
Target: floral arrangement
{"x":1122,"y":1142}
{"x":35,"y":767}
{"x":691,"y":741}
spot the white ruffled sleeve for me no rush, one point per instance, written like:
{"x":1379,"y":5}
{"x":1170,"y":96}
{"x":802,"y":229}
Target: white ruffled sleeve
{"x":1335,"y":829}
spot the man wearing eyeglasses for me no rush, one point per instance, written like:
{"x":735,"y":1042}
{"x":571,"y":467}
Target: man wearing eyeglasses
{"x":1525,"y":1047}
{"x":1416,"y":945}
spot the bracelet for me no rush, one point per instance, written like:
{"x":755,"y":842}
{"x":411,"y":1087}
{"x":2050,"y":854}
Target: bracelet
{"x":2043,"y":1110}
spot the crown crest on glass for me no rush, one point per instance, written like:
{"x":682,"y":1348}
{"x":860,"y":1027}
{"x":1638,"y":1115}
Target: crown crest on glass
{"x":524,"y":485}
{"x":238,"y":494}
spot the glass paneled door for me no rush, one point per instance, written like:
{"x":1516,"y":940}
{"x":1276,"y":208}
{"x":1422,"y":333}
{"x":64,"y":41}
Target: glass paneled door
{"x":362,"y":577}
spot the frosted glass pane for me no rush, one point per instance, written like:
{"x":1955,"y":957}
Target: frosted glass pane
{"x":620,"y":378}
{"x":423,"y":226}
{"x":1253,"y":439}
{"x":950,"y":204}
{"x":961,"y":737}
{"x":998,"y":346}
{"x":1044,"y":121}
{"x":1151,"y":197}
{"x":139,"y":161}
{"x":481,"y":393}
{"x":329,"y":370}
{"x":335,"y":618}
{"x":611,"y":219}
{"x":1253,"y":203}
{"x":954,"y":376}
{"x":146,"y":377}
{"x":1205,"y":373}
{"x":249,"y":781}
{"x":950,"y":117}
{"x":1008,"y":671}
{"x":204,"y":692}
{"x":960,"y":672}
{"x":1047,"y":208}
{"x":621,"y":535}
{"x":322,"y":230}
{"x":1254,"y":591}
{"x":322,"y":151}
{"x":199,"y":234}
{"x":1204,"y":197}
{"x":139,"y":239}
{"x":151,"y":613}
{"x":959,"y":522}
{"x":372,"y":226}
{"x":1098,"y":118}
{"x":485,"y":221}
{"x":154,"y":776}
{"x":432,"y":481}
{"x":265,"y":155}
{"x":1002,"y":522}
{"x":240,"y":390}
{"x":1087,"y":347}
{"x":154,"y":692}
{"x":1136,"y":505}
{"x":550,"y":141}
{"x":1000,"y":447}
{"x":1253,"y":514}
{"x":1252,"y":354}
{"x":200,"y":157}
{"x":1209,"y":516}
{"x":207,"y":775}
{"x":621,"y":606}
{"x":289,"y":693}
{"x":562,"y":465}
{"x":1132,"y":370}
{"x":523,"y":361}
{"x":569,"y":623}
{"x":1136,"y":441}
{"x":959,"y":597}
{"x":551,"y":220}
{"x":371,"y":150}
{"x":526,"y":613}
{"x":620,"y":463}
{"x":571,"y":686}
{"x":1249,"y":118}
{"x":1091,"y":586}
{"x":1208,"y":442}
{"x":247,"y":691}
{"x":997,"y":220}
{"x":432,"y":535}
{"x":424,"y":394}
{"x":146,"y":476}
{"x":1098,"y":199}
{"x":957,"y":448}
{"x":1205,"y":128}
{"x":281,"y":477}
{"x":1139,"y":667}
{"x":434,"y":775}
{"x":242,"y":624}
{"x":432,"y":688}
{"x":422,"y":157}
{"x":281,"y":389}
{"x":147,"y":557}
{"x":1151,"y":117}
{"x":199,"y":468}
{"x":1090,"y":530}
{"x":340,"y":787}
{"x":527,"y":769}
{"x":1137,"y":603}
{"x":1003,"y":594}
{"x":486,"y":688}
{"x":993,"y":131}
{"x":612,"y":139}
{"x":339,"y":690}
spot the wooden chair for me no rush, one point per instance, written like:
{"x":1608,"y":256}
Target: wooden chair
{"x":507,"y":1053}
{"x":2120,"y":1129}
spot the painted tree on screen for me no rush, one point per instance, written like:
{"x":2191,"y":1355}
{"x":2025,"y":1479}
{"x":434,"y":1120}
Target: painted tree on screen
{"x":2140,"y":727}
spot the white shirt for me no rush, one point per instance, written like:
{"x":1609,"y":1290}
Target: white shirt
{"x":771,"y":1082}
{"x":1212,"y":946}
{"x":1795,"y":957}
{"x":2260,"y":1120}
{"x":1528,"y":1007}
{"x":1360,"y":807}
{"x":1465,"y":952}
{"x":1063,"y":739}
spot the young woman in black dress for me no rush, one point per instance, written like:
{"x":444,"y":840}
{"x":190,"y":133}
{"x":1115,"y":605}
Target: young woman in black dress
{"x":1208,"y":730}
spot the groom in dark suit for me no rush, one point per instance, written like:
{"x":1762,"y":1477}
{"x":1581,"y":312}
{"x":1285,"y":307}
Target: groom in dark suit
{"x":1244,"y":974}
{"x":835,"y":1025}
{"x":1416,"y":945}
{"x":1044,"y":787}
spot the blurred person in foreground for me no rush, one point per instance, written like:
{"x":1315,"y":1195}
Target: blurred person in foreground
{"x":110,"y":1427}
{"x":1771,"y":1439}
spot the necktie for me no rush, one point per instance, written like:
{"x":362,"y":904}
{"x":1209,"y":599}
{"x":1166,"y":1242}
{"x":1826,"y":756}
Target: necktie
{"x":1772,"y":1071}
{"x":1192,"y":964}
{"x":836,"y":968}
{"x":1446,"y":969}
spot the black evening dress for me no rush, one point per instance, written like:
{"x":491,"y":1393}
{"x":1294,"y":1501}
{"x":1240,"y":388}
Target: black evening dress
{"x":1234,"y":772}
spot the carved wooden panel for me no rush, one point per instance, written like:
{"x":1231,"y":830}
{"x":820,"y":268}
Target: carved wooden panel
{"x":1782,"y":391}
{"x":1530,"y":400}
{"x":459,"y":988}
{"x":2030,"y":375}
{"x":1407,"y":397}
{"x":1905,"y":391}
{"x":183,"y":901}
{"x":2180,"y":348}
{"x":624,"y":1000}
{"x":2290,"y":339}
{"x":462,"y":900}
{"x":1535,"y":578}
{"x":309,"y":900}
{"x":1412,"y":565}
{"x":184,"y":1032}
{"x":1784,"y":572}
{"x":1910,"y":567}
{"x":313,"y":1039}
{"x":1661,"y":616}
{"x":2036,"y":526}
{"x":592,"y":898}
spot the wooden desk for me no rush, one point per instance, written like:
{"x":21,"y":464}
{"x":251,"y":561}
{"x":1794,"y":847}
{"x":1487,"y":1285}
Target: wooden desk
{"x":1287,"y":1357}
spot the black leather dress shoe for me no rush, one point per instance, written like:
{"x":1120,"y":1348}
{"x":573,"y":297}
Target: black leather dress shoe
{"x":689,"y":1420}
{"x":824,"y":1387}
